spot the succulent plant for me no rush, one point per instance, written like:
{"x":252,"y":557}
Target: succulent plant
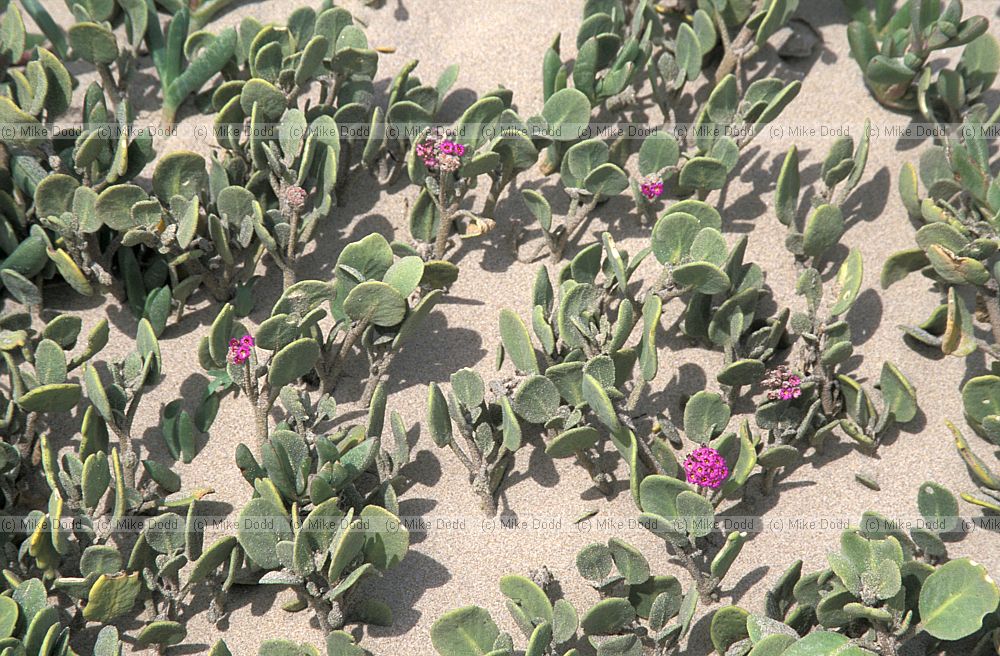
{"x":37,"y":365}
{"x":112,"y":536}
{"x":582,"y":333}
{"x":185,"y":57}
{"x":874,"y":597}
{"x":591,"y":171}
{"x":843,"y":168}
{"x":371,"y":302}
{"x":724,"y":292}
{"x":979,"y":390}
{"x":97,"y":493}
{"x":829,"y":399}
{"x":410,"y":107}
{"x":753,"y":23}
{"x":235,"y":367}
{"x":338,"y":643}
{"x":894,"y":47}
{"x":382,"y":294}
{"x":44,"y":168}
{"x":675,"y":511}
{"x":92,"y":39}
{"x":489,"y":432}
{"x":613,"y":45}
{"x":727,"y":123}
{"x":30,"y":622}
{"x":490,"y":139}
{"x":16,"y":40}
{"x":589,"y":178}
{"x":77,"y":185}
{"x":323,"y":515}
{"x":183,"y":64}
{"x":633,"y":615}
{"x":636,"y":607}
{"x":116,"y":402}
{"x":956,"y":248}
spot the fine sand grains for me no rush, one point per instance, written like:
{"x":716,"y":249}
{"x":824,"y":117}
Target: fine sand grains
{"x":502,"y":43}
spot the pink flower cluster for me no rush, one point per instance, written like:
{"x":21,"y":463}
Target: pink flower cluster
{"x":296,"y":197}
{"x":240,"y":349}
{"x":651,"y":187}
{"x":438,"y":152}
{"x":706,"y":467}
{"x":783,"y":385}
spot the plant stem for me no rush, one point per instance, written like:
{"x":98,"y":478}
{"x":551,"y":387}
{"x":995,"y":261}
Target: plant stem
{"x":444,"y":225}
{"x":29,"y":435}
{"x":487,"y":502}
{"x":769,"y":477}
{"x":291,"y":256}
{"x":345,"y":350}
{"x":635,"y":395}
{"x":734,"y":49}
{"x":706,"y":585}
{"x":320,"y":611}
{"x":260,"y":421}
{"x":599,"y":478}
{"x":261,"y":401}
{"x":647,"y":455}
{"x":886,"y":643}
{"x":993,"y":310}
{"x":129,"y":459}
{"x":496,"y":188}
{"x":826,"y":394}
{"x":375,"y":378}
{"x":464,"y":459}
{"x":109,"y":84}
{"x":577,"y":213}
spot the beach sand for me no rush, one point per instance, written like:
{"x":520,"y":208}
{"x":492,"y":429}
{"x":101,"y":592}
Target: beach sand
{"x":501,"y":43}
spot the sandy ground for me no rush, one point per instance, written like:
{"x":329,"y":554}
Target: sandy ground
{"x":502,"y":43}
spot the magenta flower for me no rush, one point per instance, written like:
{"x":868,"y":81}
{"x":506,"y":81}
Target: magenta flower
{"x":651,"y":187}
{"x":440,"y":153}
{"x":241,"y":349}
{"x":706,"y":467}
{"x":783,"y":385}
{"x":425,"y":149}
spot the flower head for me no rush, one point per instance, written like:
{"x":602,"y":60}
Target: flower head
{"x":425,"y":149}
{"x":783,"y":385}
{"x":651,"y":187}
{"x":439,"y":152}
{"x":706,"y":467}
{"x":295,"y":197}
{"x":241,"y":349}
{"x":449,"y":163}
{"x":449,"y":147}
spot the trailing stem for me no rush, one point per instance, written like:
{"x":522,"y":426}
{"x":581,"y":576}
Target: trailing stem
{"x":599,"y":477}
{"x":706,"y":585}
{"x":447,"y":218}
{"x":496,"y":188}
{"x":329,"y":380}
{"x":737,"y":49}
{"x":260,"y":398}
{"x":291,"y":254}
{"x":109,"y":84}
{"x":993,"y":311}
{"x":886,"y":642}
{"x":375,"y":377}
{"x":578,"y":212}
